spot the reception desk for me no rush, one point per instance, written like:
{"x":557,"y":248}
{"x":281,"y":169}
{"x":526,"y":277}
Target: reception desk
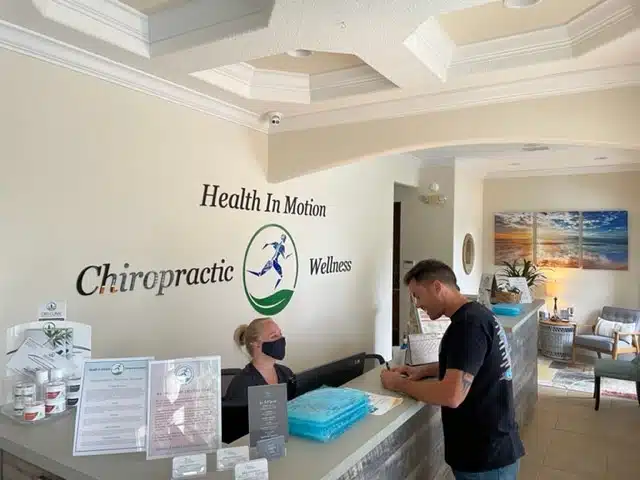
{"x":406,"y":442}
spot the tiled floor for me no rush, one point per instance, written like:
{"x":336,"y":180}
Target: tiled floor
{"x":569,"y":440}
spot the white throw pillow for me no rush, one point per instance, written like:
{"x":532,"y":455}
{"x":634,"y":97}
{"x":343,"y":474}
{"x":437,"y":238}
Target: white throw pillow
{"x":606,"y":328}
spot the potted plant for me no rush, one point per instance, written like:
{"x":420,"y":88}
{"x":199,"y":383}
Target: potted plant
{"x":528,"y":271}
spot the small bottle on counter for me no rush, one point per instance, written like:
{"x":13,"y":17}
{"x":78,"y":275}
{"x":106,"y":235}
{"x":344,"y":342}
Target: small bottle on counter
{"x":73,"y":391}
{"x":55,"y":393}
{"x":42,"y":378}
{"x":24,"y":393}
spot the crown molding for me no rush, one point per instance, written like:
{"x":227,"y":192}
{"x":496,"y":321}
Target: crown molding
{"x":346,"y":82}
{"x":32,"y":44}
{"x":165,"y":31}
{"x":26,"y":42}
{"x":109,"y":20}
{"x":548,"y":86}
{"x":601,"y":24}
{"x":431,"y":44}
{"x":254,"y":83}
{"x":585,"y":170}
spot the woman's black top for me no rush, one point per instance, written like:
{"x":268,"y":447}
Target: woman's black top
{"x":251,"y":377}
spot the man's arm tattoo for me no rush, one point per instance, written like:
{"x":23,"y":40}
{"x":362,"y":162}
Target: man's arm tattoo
{"x":467,"y":380}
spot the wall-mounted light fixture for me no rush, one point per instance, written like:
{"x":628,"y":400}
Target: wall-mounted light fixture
{"x":432,"y":197}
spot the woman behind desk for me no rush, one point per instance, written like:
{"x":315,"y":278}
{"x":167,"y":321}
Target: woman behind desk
{"x":265,"y":344}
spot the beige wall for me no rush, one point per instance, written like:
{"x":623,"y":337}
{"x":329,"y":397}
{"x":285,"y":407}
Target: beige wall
{"x":429,"y":231}
{"x":94,"y":173}
{"x":467,"y":218}
{"x":604,"y":118}
{"x":588,"y":290}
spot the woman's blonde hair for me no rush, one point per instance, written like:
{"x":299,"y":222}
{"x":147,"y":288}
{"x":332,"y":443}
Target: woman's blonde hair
{"x":246,"y":335}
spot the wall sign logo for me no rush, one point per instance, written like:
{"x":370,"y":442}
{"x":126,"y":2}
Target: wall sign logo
{"x":270,"y":269}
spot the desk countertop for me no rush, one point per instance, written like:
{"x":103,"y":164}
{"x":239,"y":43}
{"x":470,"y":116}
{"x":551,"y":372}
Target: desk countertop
{"x":511,"y":324}
{"x":49,"y":446}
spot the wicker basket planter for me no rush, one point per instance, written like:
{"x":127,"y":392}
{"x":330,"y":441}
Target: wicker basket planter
{"x":507,"y":297}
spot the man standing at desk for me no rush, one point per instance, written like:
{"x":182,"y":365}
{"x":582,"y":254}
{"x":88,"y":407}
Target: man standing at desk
{"x":474,"y":383}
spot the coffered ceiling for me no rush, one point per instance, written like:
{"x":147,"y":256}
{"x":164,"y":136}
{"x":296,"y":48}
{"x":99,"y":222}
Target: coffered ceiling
{"x":323,"y":62}
{"x":491,"y":20}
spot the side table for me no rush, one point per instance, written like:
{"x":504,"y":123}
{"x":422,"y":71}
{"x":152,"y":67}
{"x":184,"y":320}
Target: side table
{"x":555,"y":339}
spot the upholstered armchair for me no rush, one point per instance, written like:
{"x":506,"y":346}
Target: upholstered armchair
{"x":619,"y":342}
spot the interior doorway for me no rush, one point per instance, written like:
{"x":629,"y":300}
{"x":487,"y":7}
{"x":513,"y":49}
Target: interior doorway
{"x":395,"y":316}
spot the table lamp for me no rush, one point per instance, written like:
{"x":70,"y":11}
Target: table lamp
{"x":552,"y":289}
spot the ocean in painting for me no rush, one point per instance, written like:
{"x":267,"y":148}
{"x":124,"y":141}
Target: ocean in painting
{"x":513,"y":237}
{"x":558,"y":239}
{"x":605,"y":240}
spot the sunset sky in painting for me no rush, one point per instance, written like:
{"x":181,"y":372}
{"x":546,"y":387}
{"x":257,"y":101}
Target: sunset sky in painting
{"x":558,"y":239}
{"x":513,"y":236}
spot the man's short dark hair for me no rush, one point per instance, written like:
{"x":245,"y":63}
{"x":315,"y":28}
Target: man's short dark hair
{"x":430,"y":270}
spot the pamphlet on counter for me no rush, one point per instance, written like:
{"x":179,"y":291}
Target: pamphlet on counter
{"x":32,"y":357}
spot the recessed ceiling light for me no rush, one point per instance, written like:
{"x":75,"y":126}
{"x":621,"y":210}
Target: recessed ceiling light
{"x":520,"y":3}
{"x":601,"y":158}
{"x":514,"y":164}
{"x":299,"y":53}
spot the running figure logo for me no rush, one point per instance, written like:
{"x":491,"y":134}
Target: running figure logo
{"x":278,"y":251}
{"x":270,"y":269}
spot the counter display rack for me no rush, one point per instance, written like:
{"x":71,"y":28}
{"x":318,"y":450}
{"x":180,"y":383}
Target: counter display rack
{"x":8,"y":411}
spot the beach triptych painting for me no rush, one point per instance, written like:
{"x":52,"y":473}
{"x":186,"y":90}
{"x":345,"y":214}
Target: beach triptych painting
{"x":590,"y":240}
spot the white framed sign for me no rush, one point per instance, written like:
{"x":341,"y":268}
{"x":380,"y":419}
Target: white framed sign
{"x":112,"y":411}
{"x":184,"y":415}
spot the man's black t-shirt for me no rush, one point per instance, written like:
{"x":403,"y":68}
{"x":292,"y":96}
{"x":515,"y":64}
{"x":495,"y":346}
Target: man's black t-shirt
{"x":481,"y":434}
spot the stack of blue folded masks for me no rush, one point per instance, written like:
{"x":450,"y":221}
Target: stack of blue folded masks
{"x":326,"y":413}
{"x":507,"y":309}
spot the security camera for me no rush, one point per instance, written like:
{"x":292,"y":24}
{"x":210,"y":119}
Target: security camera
{"x":274,"y":118}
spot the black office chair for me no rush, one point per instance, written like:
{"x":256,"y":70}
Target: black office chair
{"x":371,"y":361}
{"x":227,"y":376}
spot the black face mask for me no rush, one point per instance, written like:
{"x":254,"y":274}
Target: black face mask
{"x":274,"y":349}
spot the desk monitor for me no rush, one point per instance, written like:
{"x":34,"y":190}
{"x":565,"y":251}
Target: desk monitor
{"x":333,"y":374}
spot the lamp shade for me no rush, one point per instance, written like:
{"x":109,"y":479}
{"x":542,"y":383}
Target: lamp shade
{"x":519,"y":3}
{"x":552,"y":288}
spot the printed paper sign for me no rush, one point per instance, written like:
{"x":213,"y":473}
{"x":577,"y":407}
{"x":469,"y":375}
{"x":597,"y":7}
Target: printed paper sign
{"x":267,"y":413}
{"x":521,"y":284}
{"x":54,"y":310}
{"x":253,"y":470}
{"x":112,"y":412}
{"x":31,"y":357}
{"x":184,"y":414}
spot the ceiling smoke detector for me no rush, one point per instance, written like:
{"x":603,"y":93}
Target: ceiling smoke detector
{"x":299,"y":53}
{"x":520,"y":3}
{"x":534,"y":147}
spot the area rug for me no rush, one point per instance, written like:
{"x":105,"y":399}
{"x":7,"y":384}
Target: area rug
{"x":580,"y":378}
